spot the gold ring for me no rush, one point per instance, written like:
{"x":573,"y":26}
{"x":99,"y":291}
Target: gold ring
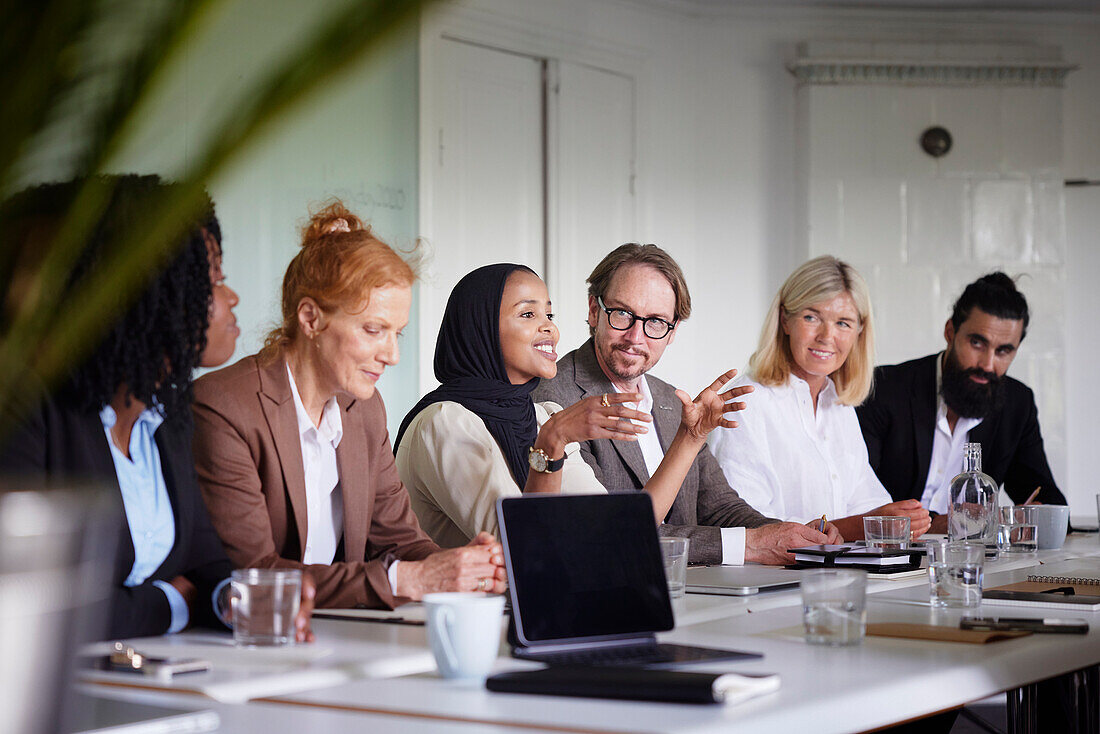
{"x":604,"y":401}
{"x":481,"y":585}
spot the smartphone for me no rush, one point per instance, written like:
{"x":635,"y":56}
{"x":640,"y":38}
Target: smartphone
{"x":1024,"y":624}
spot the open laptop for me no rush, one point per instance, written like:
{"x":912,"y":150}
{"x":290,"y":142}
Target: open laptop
{"x":587,"y":583}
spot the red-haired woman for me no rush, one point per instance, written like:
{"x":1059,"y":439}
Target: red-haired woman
{"x":291,"y":446}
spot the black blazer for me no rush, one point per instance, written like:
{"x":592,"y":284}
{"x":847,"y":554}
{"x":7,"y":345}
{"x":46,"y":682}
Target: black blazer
{"x":56,"y":443}
{"x":898,"y":423}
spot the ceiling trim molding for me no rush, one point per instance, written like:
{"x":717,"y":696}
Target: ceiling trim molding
{"x":930,"y":73}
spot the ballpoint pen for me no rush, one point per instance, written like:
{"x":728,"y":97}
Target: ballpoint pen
{"x":821,"y":527}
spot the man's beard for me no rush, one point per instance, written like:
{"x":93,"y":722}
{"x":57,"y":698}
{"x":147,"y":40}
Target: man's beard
{"x":614,"y":367}
{"x":967,"y":398}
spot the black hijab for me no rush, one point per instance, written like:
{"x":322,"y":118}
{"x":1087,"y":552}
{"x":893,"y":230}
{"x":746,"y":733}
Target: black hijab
{"x":470,"y":367}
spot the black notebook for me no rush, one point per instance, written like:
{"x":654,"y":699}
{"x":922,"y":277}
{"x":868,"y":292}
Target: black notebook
{"x":636,"y":684}
{"x":879,"y":560}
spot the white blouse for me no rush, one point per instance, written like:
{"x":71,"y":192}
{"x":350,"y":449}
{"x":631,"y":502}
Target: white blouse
{"x":455,"y":472}
{"x":789,"y":463}
{"x":324,"y":499}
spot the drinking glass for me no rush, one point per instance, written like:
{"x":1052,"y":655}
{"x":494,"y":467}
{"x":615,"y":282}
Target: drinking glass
{"x":890,"y":533}
{"x":1017,"y":529}
{"x":833,"y":606}
{"x":264,"y":603}
{"x":955,"y":573}
{"x":674,"y":553}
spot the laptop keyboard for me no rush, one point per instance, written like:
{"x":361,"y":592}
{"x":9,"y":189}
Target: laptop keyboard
{"x":662,"y":654}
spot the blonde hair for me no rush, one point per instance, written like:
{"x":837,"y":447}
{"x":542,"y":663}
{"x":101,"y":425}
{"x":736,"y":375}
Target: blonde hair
{"x":816,"y":281}
{"x":340,"y":262}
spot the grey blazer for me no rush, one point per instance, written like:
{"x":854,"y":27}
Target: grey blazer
{"x":706,"y":501}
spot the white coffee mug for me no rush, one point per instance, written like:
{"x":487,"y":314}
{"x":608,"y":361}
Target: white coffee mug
{"x":1051,"y":523}
{"x":464,"y":632}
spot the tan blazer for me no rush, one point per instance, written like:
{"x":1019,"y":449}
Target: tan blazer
{"x":248,"y":457}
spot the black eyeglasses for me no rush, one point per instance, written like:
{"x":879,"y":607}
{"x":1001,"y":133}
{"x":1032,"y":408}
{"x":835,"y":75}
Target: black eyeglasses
{"x":621,"y":320}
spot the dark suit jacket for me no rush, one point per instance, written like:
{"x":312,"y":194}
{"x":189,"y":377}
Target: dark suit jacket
{"x":706,"y":501}
{"x":248,"y":455}
{"x":898,"y":423}
{"x":57,"y":443}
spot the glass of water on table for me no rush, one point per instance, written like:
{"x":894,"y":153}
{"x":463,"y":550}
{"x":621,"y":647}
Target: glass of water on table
{"x":833,"y":606}
{"x":955,"y":573}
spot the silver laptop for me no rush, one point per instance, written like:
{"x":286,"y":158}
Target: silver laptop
{"x":739,"y":580}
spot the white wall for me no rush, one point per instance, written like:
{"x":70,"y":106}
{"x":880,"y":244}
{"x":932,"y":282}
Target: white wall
{"x":716,"y":158}
{"x":356,"y":140}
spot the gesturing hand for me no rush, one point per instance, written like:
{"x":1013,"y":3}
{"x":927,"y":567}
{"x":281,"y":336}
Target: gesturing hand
{"x":701,"y":416}
{"x":597,"y":416}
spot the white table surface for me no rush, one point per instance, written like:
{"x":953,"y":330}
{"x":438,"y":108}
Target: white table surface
{"x":823,"y":689}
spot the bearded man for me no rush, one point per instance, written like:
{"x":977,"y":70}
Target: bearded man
{"x":922,"y":412}
{"x":637,"y":297}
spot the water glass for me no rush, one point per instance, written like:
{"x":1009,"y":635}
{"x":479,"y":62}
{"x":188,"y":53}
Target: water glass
{"x":890,"y":533}
{"x":1017,"y":529}
{"x":264,"y":603}
{"x":674,"y":553}
{"x":955,"y":573}
{"x":833,"y":606}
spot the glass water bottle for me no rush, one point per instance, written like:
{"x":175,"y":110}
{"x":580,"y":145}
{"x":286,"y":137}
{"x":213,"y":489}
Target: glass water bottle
{"x":972,"y":513}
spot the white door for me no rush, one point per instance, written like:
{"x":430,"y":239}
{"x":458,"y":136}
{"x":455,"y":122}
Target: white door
{"x":532,"y":162}
{"x":487,"y":186}
{"x":592,"y":172}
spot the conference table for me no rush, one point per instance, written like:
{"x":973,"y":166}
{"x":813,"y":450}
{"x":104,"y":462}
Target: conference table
{"x":375,"y":672}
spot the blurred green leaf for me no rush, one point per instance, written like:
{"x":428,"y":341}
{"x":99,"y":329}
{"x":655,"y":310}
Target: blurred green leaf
{"x":45,"y":55}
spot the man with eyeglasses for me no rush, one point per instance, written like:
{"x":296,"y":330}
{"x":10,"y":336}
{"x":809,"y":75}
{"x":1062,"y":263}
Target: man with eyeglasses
{"x":636,"y":298}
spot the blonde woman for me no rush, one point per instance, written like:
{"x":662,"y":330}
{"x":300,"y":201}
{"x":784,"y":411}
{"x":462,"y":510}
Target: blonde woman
{"x":798,"y":453}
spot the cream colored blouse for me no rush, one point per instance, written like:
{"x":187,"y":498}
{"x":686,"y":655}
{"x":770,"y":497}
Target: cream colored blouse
{"x":455,"y":472}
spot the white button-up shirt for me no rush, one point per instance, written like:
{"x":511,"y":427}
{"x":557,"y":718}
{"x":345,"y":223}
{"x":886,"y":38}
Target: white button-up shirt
{"x":947,"y":451}
{"x":324,"y":501}
{"x":792,"y":463}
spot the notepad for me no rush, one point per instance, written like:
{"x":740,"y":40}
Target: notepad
{"x":852,"y":555}
{"x":1075,"y":574}
{"x":1085,"y":597}
{"x":636,"y":684}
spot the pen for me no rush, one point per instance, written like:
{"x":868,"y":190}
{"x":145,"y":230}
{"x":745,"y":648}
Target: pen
{"x":383,"y":620}
{"x":1033,"y":495}
{"x":821,"y":527}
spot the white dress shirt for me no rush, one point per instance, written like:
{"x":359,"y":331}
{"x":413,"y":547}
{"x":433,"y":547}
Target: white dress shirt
{"x":947,"y":451}
{"x":324,"y":501}
{"x":455,"y":471}
{"x":792,"y":463}
{"x":733,"y":539}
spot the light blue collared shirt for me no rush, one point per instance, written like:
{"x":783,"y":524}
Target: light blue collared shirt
{"x":148,"y":509}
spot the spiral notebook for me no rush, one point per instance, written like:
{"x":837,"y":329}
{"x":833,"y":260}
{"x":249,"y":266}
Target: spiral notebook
{"x":1075,"y":574}
{"x":1067,"y":585}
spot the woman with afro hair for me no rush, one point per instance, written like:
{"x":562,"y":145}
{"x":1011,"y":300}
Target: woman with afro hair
{"x":123,"y":414}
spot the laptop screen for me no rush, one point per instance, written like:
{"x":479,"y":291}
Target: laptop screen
{"x":583,"y":566}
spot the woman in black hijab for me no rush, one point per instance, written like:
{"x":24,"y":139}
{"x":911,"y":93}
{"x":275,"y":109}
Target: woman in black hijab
{"x":479,"y":436}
